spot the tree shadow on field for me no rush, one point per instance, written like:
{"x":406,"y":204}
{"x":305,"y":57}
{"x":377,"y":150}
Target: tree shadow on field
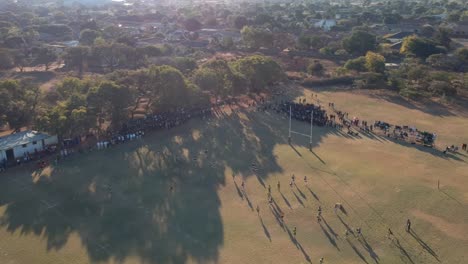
{"x":164,"y":205}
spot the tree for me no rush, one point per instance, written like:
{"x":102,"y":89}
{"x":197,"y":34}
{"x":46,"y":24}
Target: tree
{"x":209,"y":80}
{"x":454,"y":17}
{"x":240,"y":22}
{"x":153,"y":51}
{"x":6,"y":59}
{"x":462,"y":55}
{"x":110,"y":55}
{"x":360,"y":42}
{"x":18,"y":102}
{"x":232,"y":82}
{"x":256,"y":37}
{"x":427,"y":31}
{"x":76,"y":57}
{"x":56,"y":30}
{"x":88,"y":36}
{"x":442,"y":36}
{"x":20,"y":59}
{"x":111,"y":100}
{"x":192,"y":24}
{"x":112,"y":32}
{"x":261,"y":19}
{"x":46,"y":57}
{"x":303,"y":42}
{"x":358,"y":64}
{"x":375,"y":62}
{"x":70,"y":86}
{"x":169,"y":86}
{"x":185,"y":64}
{"x":442,"y":61}
{"x":315,"y":68}
{"x":419,"y":47}
{"x":259,"y":71}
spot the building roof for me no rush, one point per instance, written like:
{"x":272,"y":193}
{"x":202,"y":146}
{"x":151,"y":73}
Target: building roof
{"x":21,"y":138}
{"x":399,"y":35}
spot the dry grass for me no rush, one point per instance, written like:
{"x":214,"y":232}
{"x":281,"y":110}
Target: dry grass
{"x":208,"y":218}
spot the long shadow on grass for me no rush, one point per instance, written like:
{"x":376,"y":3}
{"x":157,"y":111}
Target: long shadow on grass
{"x":330,"y":238}
{"x":424,"y":245}
{"x":356,"y":251}
{"x":265,"y":229}
{"x":162,"y":209}
{"x":369,"y":249}
{"x":164,"y":206}
{"x":403,"y":251}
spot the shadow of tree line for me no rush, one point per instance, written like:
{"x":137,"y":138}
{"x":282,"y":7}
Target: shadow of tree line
{"x":154,"y":198}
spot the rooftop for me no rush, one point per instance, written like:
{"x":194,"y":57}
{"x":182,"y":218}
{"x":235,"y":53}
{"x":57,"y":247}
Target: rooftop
{"x":21,"y":138}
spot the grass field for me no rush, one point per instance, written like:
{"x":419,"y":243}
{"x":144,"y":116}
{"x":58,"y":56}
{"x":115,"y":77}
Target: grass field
{"x":66,"y":214}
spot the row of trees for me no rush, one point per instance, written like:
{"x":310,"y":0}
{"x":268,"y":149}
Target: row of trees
{"x":77,"y":105}
{"x":18,"y":101}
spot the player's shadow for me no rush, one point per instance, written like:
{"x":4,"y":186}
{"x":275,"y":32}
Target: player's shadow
{"x":424,"y":245}
{"x":265,"y":229}
{"x":249,"y":203}
{"x":298,"y":199}
{"x":239,"y":192}
{"x":369,"y":249}
{"x":313,"y":194}
{"x":286,"y":201}
{"x":356,"y":250}
{"x":330,"y":238}
{"x":301,"y":193}
{"x":350,"y":230}
{"x":329,"y":228}
{"x":403,"y":251}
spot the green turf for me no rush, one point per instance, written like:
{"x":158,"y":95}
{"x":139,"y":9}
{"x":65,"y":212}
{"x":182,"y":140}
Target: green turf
{"x":65,"y":214}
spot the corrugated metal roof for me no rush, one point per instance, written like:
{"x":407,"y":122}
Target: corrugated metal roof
{"x":21,"y":138}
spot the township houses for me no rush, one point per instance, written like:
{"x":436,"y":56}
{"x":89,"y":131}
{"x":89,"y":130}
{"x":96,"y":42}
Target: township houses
{"x":23,"y":143}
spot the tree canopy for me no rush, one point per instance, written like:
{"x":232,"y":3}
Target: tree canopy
{"x":419,"y":47}
{"x":259,"y":71}
{"x":360,"y":42}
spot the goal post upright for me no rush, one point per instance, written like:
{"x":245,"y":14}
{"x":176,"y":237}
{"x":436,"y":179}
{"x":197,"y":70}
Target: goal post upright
{"x":311,"y":128}
{"x":290,"y":116}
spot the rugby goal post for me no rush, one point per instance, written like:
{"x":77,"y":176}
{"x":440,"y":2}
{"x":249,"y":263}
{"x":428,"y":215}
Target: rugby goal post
{"x":299,"y":133}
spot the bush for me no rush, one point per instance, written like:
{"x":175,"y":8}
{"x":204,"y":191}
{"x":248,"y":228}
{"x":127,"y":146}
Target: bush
{"x":441,"y":88}
{"x":358,"y":64}
{"x":315,"y":68}
{"x":371,"y":80}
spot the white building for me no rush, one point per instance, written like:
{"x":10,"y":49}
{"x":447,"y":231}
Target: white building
{"x":16,"y":145}
{"x":325,"y":24}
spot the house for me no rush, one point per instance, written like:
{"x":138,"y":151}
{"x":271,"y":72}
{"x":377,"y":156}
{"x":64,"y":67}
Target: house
{"x":396,"y":45}
{"x":17,"y":145}
{"x":398,"y":37}
{"x":325,"y":24}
